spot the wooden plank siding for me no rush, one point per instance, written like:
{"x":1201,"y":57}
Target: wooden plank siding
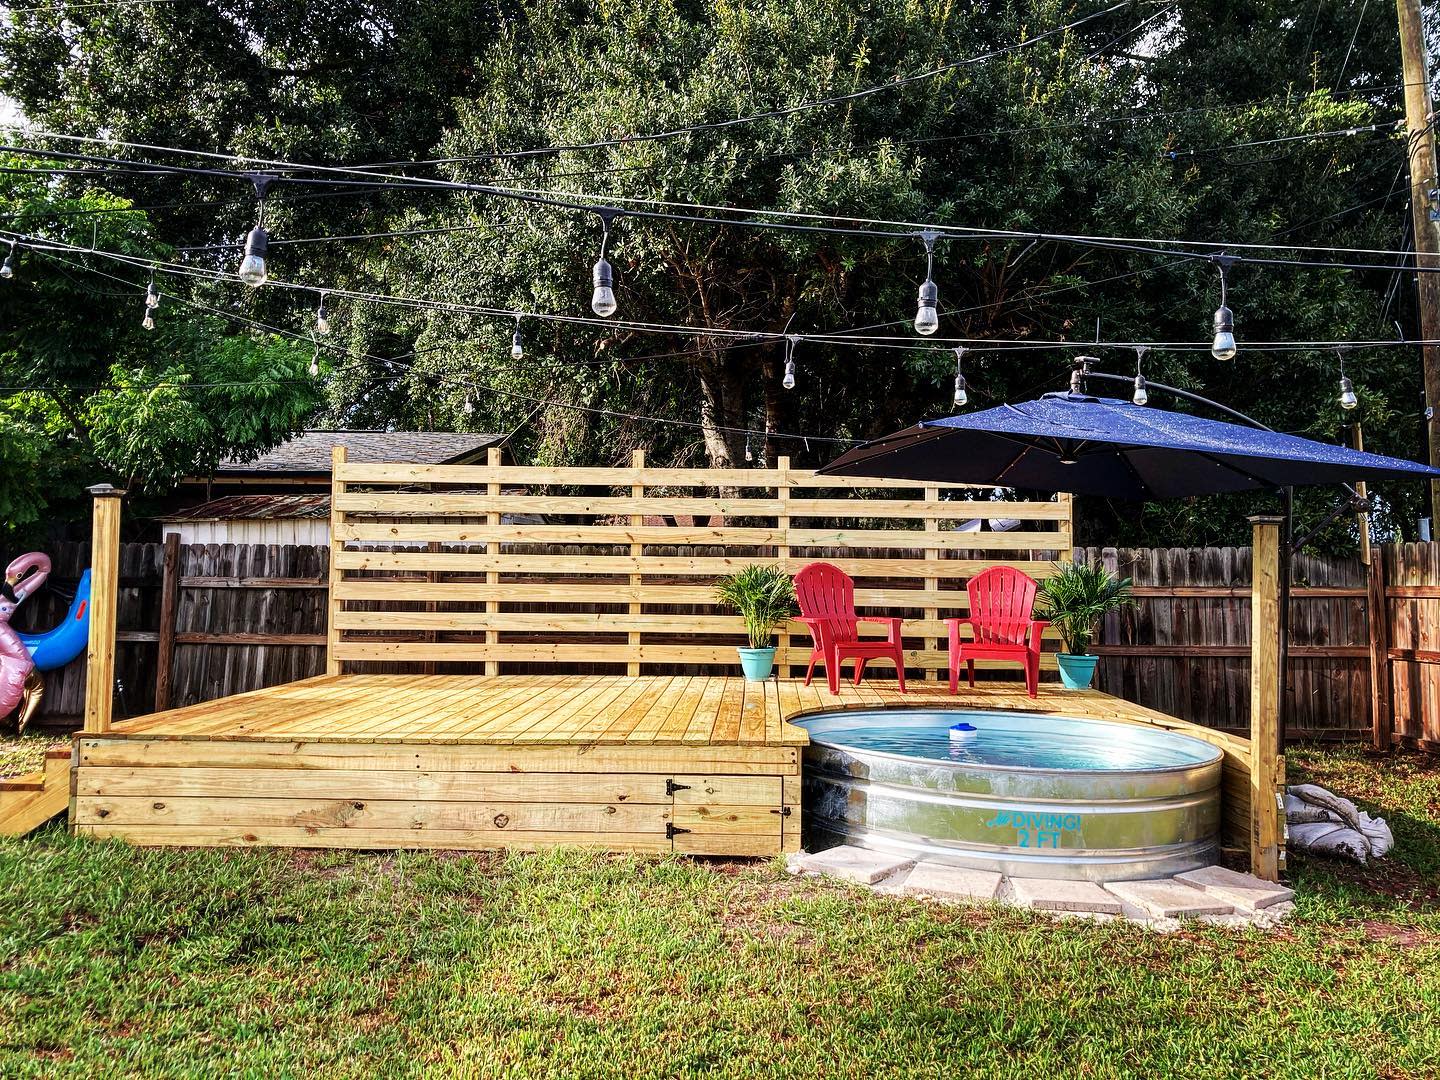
{"x":617,"y":571}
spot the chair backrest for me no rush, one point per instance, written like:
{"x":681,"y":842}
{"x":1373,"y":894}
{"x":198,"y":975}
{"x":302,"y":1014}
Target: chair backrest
{"x":1001,"y":603}
{"x":826,"y":593}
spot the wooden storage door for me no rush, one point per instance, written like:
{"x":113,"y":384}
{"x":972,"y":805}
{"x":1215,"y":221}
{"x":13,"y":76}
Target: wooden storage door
{"x":728,"y":815}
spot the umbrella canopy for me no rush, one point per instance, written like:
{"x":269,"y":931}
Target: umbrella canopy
{"x":1102,"y":446}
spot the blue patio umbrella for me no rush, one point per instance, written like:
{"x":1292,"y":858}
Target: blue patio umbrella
{"x":1102,"y":446}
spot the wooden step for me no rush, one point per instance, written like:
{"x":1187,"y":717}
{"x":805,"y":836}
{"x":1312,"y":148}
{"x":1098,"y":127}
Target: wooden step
{"x":27,"y":802}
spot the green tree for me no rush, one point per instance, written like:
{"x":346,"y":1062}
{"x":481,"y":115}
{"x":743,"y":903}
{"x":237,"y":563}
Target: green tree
{"x":89,"y":394}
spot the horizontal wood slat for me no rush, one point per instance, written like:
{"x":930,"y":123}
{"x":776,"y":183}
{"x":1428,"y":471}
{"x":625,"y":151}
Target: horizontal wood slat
{"x":405,"y":536}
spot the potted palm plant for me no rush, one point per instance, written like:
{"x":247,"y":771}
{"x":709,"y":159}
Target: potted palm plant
{"x":1074,"y":600}
{"x":764,"y":596}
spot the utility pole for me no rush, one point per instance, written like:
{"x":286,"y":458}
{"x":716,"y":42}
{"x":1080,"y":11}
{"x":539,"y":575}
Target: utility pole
{"x":1420,"y":136}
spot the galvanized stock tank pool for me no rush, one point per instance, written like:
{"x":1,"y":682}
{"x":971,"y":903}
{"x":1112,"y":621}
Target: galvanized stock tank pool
{"x":1025,"y":794}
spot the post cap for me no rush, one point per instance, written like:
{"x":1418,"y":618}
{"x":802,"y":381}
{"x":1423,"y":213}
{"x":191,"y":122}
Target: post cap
{"x":106,"y":491}
{"x":1266,"y":519}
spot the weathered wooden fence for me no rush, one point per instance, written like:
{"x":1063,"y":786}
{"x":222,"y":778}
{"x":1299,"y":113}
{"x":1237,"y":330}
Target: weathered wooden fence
{"x":243,"y":617}
{"x":1184,"y":648}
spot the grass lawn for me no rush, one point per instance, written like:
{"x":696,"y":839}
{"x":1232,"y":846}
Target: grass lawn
{"x":120,"y":961}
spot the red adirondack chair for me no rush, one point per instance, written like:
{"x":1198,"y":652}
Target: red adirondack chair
{"x":1001,"y":602}
{"x":827,"y":607}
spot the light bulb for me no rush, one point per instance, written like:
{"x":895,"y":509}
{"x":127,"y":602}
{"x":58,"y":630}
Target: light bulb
{"x":789,"y":381}
{"x":252,"y":267}
{"x":322,"y":317}
{"x":152,"y":298}
{"x":603,"y":300}
{"x":1142,"y":395}
{"x":1223,"y":347}
{"x":927,"y":321}
{"x":469,"y":406}
{"x":962,"y":395}
{"x":315,"y":364}
{"x":148,"y":322}
{"x":749,"y":454}
{"x":1348,"y":400}
{"x":517,"y":348}
{"x":7,"y":268}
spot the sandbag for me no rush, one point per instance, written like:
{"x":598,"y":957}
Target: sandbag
{"x":1320,"y":822}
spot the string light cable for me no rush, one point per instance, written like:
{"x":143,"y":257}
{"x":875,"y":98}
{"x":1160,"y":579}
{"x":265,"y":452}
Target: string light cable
{"x":462,"y":381}
{"x":840,"y":337}
{"x":789,"y":220}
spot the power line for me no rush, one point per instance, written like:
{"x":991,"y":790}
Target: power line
{"x":614,"y":206}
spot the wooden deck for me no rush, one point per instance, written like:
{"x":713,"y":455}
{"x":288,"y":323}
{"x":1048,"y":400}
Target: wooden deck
{"x":706,"y":765}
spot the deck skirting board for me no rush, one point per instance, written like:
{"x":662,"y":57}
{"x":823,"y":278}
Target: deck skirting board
{"x":699,"y":800}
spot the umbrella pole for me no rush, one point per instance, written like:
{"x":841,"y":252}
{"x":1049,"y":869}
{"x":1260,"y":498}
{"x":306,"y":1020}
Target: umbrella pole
{"x":1287,"y":573}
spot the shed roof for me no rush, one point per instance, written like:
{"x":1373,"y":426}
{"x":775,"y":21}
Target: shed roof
{"x":309,"y":452}
{"x":254,"y":508}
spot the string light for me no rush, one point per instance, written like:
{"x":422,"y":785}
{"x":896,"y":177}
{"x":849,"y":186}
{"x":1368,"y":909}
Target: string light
{"x":517,"y":347}
{"x":7,"y":268}
{"x":152,"y":301}
{"x":322,"y":317}
{"x":602,"y":301}
{"x":927,"y":320}
{"x":1223,"y":347}
{"x":962,"y":395}
{"x":789,"y":381}
{"x":315,"y":361}
{"x":1141,"y":396}
{"x":469,"y":407}
{"x":1348,"y":400}
{"x":252,"y":267}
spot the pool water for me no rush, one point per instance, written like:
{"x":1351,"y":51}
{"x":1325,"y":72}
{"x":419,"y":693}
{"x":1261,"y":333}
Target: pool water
{"x":1011,"y":740}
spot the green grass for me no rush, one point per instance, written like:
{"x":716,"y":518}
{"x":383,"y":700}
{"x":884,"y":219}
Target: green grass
{"x":121,"y":961}
{"x":25,"y":753}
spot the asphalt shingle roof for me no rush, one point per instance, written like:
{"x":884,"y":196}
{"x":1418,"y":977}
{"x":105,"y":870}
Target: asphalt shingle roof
{"x":309,"y":452}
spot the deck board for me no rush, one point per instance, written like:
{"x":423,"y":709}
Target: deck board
{"x":559,"y":710}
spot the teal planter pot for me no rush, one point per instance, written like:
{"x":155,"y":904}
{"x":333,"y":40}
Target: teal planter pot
{"x":1076,"y":672}
{"x":757,"y":663}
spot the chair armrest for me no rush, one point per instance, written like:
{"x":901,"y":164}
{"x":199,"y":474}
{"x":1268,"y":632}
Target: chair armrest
{"x":1037,"y":630}
{"x":893,"y":624}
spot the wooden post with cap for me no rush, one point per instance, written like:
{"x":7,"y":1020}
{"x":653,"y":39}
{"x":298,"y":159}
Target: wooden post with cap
{"x":1267,"y":766}
{"x":104,"y":600}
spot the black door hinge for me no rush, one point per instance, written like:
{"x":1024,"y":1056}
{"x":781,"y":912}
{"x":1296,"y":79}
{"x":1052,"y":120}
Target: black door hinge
{"x":784,"y":811}
{"x":672,"y":830}
{"x":671,"y":787}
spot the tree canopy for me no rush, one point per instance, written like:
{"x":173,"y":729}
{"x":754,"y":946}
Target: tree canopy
{"x":1127,"y":126}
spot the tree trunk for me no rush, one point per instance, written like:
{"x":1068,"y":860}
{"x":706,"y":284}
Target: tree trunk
{"x":722,"y":407}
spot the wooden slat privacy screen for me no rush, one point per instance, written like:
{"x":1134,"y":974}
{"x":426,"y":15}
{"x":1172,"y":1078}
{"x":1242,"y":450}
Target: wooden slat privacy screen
{"x":440,"y":564}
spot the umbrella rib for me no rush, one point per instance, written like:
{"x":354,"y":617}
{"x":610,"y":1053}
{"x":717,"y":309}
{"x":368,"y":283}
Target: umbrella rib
{"x":1254,"y":478}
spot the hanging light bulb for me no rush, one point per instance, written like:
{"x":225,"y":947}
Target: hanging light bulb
{"x":1223,"y":347}
{"x":252,"y":267}
{"x":749,"y":452}
{"x":315,"y":363}
{"x":469,"y":406}
{"x":7,"y":268}
{"x":927,"y":319}
{"x":322,"y":317}
{"x":1142,"y":394}
{"x":517,"y":347}
{"x":962,"y":395}
{"x":789,"y":381}
{"x":152,"y":301}
{"x":602,"y":300}
{"x":1348,"y":400}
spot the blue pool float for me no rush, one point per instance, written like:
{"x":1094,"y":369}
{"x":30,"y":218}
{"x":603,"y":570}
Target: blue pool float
{"x":56,"y":648}
{"x":963,"y":732}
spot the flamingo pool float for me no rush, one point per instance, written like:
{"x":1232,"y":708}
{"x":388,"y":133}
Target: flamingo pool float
{"x":24,"y":656}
